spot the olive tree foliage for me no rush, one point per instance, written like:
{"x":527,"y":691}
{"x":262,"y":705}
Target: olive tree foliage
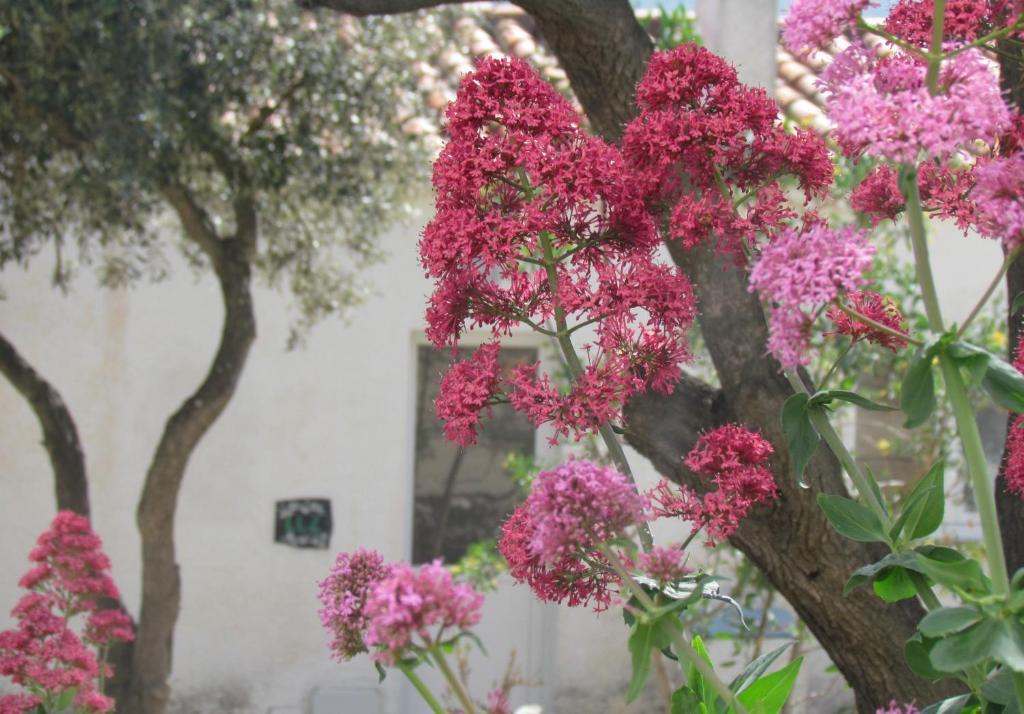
{"x":259,"y":140}
{"x":108,"y":107}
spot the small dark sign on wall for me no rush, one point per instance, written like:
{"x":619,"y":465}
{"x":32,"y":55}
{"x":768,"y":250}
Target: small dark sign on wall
{"x":303,"y":522}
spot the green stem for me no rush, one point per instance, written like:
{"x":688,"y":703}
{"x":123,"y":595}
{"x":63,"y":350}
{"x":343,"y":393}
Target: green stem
{"x":966,"y":422}
{"x":683,"y":649}
{"x":994,"y":35}
{"x":919,"y":239}
{"x":421,"y":687}
{"x":835,"y":365}
{"x":992,"y":287}
{"x":977,"y":467}
{"x":453,"y":682}
{"x":572,"y":360}
{"x":924,"y":590}
{"x":935,"y":52}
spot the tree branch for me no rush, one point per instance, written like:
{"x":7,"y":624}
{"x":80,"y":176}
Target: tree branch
{"x":195,"y":221}
{"x":60,"y":436}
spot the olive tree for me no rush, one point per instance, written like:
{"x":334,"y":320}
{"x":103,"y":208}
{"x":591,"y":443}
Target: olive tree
{"x":271,"y":136}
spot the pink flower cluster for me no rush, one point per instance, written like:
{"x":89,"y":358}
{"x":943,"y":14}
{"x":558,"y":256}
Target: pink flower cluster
{"x":999,"y":196}
{"x":945,"y":193}
{"x":571,"y":511}
{"x":877,"y":307}
{"x":70,"y":578}
{"x":664,"y":564}
{"x":813,"y":24}
{"x":536,"y":223}
{"x":735,"y":459}
{"x":422,"y":601}
{"x":702,"y":139}
{"x":807,"y":269}
{"x":343,"y":595}
{"x":368,"y":603}
{"x":882,"y":107}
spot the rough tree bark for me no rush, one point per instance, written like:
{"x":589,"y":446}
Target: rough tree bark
{"x":1009,"y":506}
{"x":231,"y":257}
{"x":604,"y":50}
{"x":60,"y":435}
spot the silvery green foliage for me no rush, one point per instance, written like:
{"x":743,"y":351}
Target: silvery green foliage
{"x":103,"y":102}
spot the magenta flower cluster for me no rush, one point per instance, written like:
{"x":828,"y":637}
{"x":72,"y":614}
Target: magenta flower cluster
{"x":735,"y":460}
{"x":554,"y":537}
{"x":802,"y":270}
{"x":70,"y":578}
{"x":370,"y":605}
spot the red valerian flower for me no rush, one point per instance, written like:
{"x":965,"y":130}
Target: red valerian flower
{"x":703,"y":141}
{"x":879,"y":308}
{"x":965,"y":20}
{"x":70,"y":579}
{"x":735,"y":459}
{"x":540,"y":225}
{"x":343,"y":595}
{"x":1014,"y":470}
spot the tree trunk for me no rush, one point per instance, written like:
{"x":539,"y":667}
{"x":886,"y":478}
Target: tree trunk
{"x":60,"y":436}
{"x":1010,"y":506}
{"x":149,"y":690}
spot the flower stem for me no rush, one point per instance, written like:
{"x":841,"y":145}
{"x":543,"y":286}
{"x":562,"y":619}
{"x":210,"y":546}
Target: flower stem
{"x":935,"y":52}
{"x":887,"y":36}
{"x":919,"y":239}
{"x":683,"y":649}
{"x":963,"y":412}
{"x":453,"y":682}
{"x":421,"y":687}
{"x":835,"y":365}
{"x":993,"y":286}
{"x":572,"y":361}
{"x":977,"y":466}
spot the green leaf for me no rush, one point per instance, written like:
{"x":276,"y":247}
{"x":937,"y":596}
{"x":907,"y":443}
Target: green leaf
{"x":965,"y":574}
{"x":953,"y":705}
{"x":917,"y":651}
{"x":381,"y":672}
{"x":757,"y":667}
{"x":894,"y":585}
{"x":998,"y":688}
{"x":800,"y":434}
{"x":963,"y":649}
{"x":769,"y":693}
{"x":866,"y":573}
{"x":686,"y":701}
{"x":939,"y":553}
{"x":696,"y":680}
{"x":646,"y":636}
{"x":972,"y":358}
{"x":1005,"y":384}
{"x":844,"y":395}
{"x":917,"y":395}
{"x":876,"y":492}
{"x":947,"y":620}
{"x":851,"y":519}
{"x":925,"y":507}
